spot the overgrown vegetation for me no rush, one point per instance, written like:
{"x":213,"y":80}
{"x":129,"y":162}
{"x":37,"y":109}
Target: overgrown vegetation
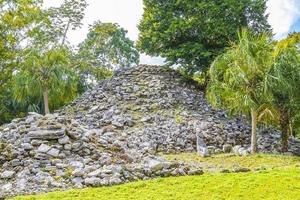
{"x":259,"y":78}
{"x":250,"y":73}
{"x":40,"y":70}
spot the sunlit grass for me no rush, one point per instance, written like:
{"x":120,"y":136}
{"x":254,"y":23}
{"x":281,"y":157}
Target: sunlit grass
{"x":230,"y":162}
{"x":268,"y":185}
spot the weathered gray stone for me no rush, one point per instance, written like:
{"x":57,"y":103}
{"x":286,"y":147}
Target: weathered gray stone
{"x":7,"y":187}
{"x":7,"y":174}
{"x":115,"y":181}
{"x":15,"y":162}
{"x":237,"y":170}
{"x":203,"y":152}
{"x":236,"y":148}
{"x":201,"y":146}
{"x":76,"y":164}
{"x":21,"y":183}
{"x":79,"y":172}
{"x":92,"y":181}
{"x":227,"y":148}
{"x":43,"y":148}
{"x":195,"y":172}
{"x":27,"y":146}
{"x":77,"y":181}
{"x":67,"y":146}
{"x":155,"y":165}
{"x":46,"y":134}
{"x":64,"y":140}
{"x":53,"y":152}
{"x":95,"y":173}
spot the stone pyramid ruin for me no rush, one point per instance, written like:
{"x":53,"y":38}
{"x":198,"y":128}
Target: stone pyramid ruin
{"x":116,"y":132}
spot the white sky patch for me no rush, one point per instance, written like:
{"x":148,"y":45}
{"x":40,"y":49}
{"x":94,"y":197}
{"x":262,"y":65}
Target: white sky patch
{"x":127,"y":13}
{"x":282,"y":15}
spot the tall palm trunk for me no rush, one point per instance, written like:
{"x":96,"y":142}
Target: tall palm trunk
{"x":253,"y":131}
{"x":284,"y":126}
{"x":46,"y":101}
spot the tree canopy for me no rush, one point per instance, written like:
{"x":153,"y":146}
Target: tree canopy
{"x":16,"y":21}
{"x":67,"y":17}
{"x":105,"y":48}
{"x":192,"y":33}
{"x":107,"y":45}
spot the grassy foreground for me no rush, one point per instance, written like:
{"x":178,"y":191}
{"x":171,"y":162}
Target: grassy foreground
{"x":281,"y":181}
{"x":267,"y":185}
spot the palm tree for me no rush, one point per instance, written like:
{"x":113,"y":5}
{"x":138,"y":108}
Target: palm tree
{"x":284,"y":83}
{"x":43,"y":75}
{"x":238,"y":79}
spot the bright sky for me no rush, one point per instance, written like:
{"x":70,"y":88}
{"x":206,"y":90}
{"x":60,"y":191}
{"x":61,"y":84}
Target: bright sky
{"x":284,"y":17}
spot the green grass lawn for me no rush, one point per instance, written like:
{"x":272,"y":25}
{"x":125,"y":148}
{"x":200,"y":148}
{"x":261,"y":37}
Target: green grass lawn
{"x":268,"y":185}
{"x":281,"y":181}
{"x":218,"y":162}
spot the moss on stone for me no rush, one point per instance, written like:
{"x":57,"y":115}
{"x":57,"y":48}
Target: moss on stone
{"x":177,"y":115}
{"x":69,"y":172}
{"x":53,"y":171}
{"x":57,"y":178}
{"x":2,"y":145}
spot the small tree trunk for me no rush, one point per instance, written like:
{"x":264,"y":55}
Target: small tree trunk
{"x":205,"y":84}
{"x":253,"y":131}
{"x":284,"y":126}
{"x":292,"y":132}
{"x":46,"y":101}
{"x":65,"y":33}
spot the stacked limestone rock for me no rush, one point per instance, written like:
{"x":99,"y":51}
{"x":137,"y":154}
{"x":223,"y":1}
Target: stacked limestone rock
{"x":113,"y":134}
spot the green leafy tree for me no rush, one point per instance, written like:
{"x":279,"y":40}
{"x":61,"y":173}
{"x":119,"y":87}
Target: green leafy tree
{"x":238,"y":79}
{"x":192,"y":33}
{"x":54,"y":82}
{"x":31,"y":36}
{"x":106,"y":48}
{"x":16,"y":21}
{"x":55,"y":24}
{"x":284,"y":83}
{"x":45,"y":74}
{"x":67,"y":17}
